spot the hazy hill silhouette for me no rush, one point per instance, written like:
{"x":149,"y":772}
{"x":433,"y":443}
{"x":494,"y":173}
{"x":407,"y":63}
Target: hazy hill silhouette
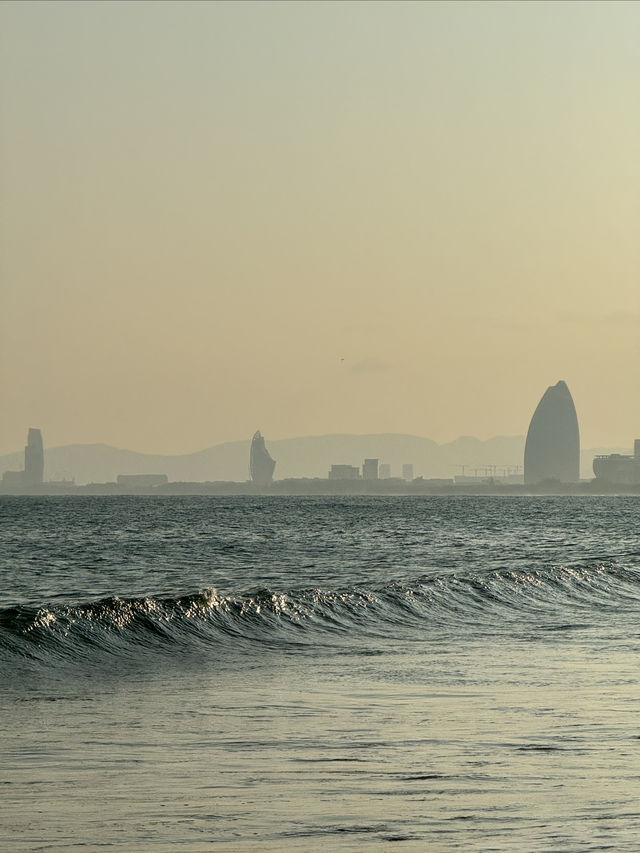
{"x":309,"y":456}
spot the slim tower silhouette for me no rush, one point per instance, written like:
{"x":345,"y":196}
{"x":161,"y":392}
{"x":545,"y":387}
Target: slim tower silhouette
{"x":33,"y":458}
{"x":260,"y":462}
{"x":552,"y":449}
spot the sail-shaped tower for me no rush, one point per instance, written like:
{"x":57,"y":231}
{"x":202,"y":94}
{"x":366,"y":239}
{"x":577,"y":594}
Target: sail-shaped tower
{"x":552,"y":450}
{"x":260,"y":463}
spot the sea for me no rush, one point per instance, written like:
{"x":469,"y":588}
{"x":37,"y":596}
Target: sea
{"x":350,"y":673}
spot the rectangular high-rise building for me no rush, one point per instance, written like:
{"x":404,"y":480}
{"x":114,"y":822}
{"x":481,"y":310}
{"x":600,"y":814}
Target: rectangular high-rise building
{"x":384,"y":471}
{"x":407,"y":471}
{"x":370,"y":469}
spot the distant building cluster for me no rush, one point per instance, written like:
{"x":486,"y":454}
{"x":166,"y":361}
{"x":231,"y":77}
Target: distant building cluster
{"x":372,"y":469}
{"x":551,"y":456}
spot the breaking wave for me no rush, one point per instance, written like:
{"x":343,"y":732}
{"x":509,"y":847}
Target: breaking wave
{"x":429,"y":607}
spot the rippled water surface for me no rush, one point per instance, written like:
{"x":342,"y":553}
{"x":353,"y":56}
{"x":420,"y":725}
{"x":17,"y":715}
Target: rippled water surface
{"x":319,"y":673}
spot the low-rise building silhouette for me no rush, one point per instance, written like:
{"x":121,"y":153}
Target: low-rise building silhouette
{"x":136,"y":481}
{"x":13,"y":479}
{"x":619,"y":468}
{"x":344,"y":472}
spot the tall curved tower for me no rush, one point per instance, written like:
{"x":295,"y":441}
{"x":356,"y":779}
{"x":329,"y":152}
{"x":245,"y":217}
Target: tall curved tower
{"x":260,"y":462}
{"x":552,"y":451}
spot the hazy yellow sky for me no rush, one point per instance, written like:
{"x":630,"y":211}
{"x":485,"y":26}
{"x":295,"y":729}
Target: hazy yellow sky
{"x":205,"y":207}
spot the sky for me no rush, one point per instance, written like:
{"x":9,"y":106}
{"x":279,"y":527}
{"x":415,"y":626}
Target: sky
{"x":310,"y":218}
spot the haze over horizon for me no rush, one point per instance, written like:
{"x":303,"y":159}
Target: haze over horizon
{"x":317,"y":218}
{"x":303,"y":456}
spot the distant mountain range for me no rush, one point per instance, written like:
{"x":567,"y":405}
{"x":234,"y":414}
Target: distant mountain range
{"x":309,"y":456}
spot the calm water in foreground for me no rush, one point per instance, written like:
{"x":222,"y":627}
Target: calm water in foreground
{"x":267,"y":674}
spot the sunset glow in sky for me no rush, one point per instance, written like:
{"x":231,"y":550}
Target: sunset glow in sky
{"x":311,"y":218}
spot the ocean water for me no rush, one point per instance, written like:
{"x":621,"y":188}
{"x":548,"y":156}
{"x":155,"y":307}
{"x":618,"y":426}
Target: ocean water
{"x":353,"y":673}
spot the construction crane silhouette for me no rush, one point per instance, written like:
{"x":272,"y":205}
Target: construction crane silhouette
{"x":490,"y":470}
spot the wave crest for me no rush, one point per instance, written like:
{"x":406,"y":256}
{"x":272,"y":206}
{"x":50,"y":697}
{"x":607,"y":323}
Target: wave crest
{"x":495,"y":601}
